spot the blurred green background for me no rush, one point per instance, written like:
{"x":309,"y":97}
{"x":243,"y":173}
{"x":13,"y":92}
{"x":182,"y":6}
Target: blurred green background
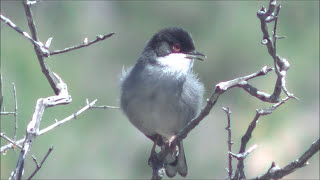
{"x":102,"y":143}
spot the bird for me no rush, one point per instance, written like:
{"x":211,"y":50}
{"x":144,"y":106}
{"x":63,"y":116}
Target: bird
{"x":160,"y":94}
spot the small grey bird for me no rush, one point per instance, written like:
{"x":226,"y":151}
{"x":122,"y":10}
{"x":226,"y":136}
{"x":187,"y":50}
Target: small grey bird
{"x":160,"y":94}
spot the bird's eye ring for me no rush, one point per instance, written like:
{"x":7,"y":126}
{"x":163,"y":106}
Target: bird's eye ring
{"x":176,"y":47}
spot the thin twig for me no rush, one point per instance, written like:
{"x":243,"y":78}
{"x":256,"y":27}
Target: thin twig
{"x":73,"y":116}
{"x":10,"y":140}
{"x":104,"y":107}
{"x":33,"y":126}
{"x":12,"y":145}
{"x":242,"y":156}
{"x":36,"y":43}
{"x":277,"y":173}
{"x":239,"y":174}
{"x":51,"y":127}
{"x":281,"y":65}
{"x":1,"y":97}
{"x":98,"y":38}
{"x":228,"y":128}
{"x":38,"y":166}
{"x":6,"y":113}
{"x":44,"y":67}
{"x":15,"y":112}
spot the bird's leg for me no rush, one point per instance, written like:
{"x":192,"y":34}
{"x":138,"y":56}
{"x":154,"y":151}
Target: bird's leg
{"x":153,"y":150}
{"x":174,"y":149}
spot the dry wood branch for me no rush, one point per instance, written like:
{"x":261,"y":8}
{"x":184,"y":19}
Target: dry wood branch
{"x":6,"y":113}
{"x":12,"y":145}
{"x":59,"y":87}
{"x":36,"y":43}
{"x":242,"y":156}
{"x":1,"y":97}
{"x":33,"y":126}
{"x":228,"y":128}
{"x":220,"y":88}
{"x":51,"y":127}
{"x":15,"y":112}
{"x":38,"y":166}
{"x":277,"y":173}
{"x":42,"y":50}
{"x":10,"y":140}
{"x":73,"y":116}
{"x":281,"y":65}
{"x":104,"y":107}
{"x":239,"y":174}
{"x":45,"y":68}
{"x":85,"y":44}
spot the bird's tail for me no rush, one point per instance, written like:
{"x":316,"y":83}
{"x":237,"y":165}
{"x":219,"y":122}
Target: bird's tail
{"x":176,"y":162}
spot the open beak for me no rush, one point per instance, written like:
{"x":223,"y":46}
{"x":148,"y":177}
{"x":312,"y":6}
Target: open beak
{"x":196,"y":55}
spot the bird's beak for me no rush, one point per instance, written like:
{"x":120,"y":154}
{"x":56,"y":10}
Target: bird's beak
{"x":196,"y":55}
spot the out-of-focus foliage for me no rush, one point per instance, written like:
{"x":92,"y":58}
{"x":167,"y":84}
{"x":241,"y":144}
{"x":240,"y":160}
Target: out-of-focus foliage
{"x":102,"y":143}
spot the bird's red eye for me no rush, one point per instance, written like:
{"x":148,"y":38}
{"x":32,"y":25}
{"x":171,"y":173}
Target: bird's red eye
{"x":176,"y":47}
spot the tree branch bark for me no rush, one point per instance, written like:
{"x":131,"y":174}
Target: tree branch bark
{"x":277,"y":173}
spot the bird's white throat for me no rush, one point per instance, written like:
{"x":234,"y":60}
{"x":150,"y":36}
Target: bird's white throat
{"x":176,"y":62}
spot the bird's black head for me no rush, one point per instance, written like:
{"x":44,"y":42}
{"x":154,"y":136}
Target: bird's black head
{"x":171,"y":40}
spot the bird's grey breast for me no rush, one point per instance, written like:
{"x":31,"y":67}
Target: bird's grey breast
{"x":159,"y":101}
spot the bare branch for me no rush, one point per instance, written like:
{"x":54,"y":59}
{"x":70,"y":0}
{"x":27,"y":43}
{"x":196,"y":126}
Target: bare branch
{"x":220,"y":89}
{"x":73,"y":116}
{"x":247,"y":136}
{"x":35,"y":160}
{"x":45,"y":68}
{"x":12,"y":145}
{"x":33,"y":126}
{"x":49,"y":128}
{"x":243,"y":83}
{"x":242,"y":156}
{"x":98,"y":38}
{"x":1,"y":97}
{"x":36,"y":43}
{"x":228,"y":128}
{"x":32,"y":2}
{"x":104,"y":107}
{"x":15,"y":112}
{"x":281,"y":65}
{"x":11,"y":141}
{"x":59,"y":87}
{"x":6,"y":113}
{"x":38,"y":166}
{"x":277,"y":173}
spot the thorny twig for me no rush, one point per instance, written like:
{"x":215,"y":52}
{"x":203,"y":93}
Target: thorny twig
{"x":6,"y":113}
{"x":98,"y":38}
{"x":73,"y":116}
{"x":15,"y":112}
{"x":242,"y":156}
{"x":33,"y":126}
{"x":36,"y":43}
{"x":10,"y":140}
{"x":277,"y":173}
{"x":228,"y":128}
{"x":100,"y":107}
{"x":219,"y":89}
{"x":51,"y":127}
{"x":38,"y":166}
{"x":282,"y":65}
{"x":56,"y":83}
{"x":39,"y":52}
{"x":239,"y":174}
